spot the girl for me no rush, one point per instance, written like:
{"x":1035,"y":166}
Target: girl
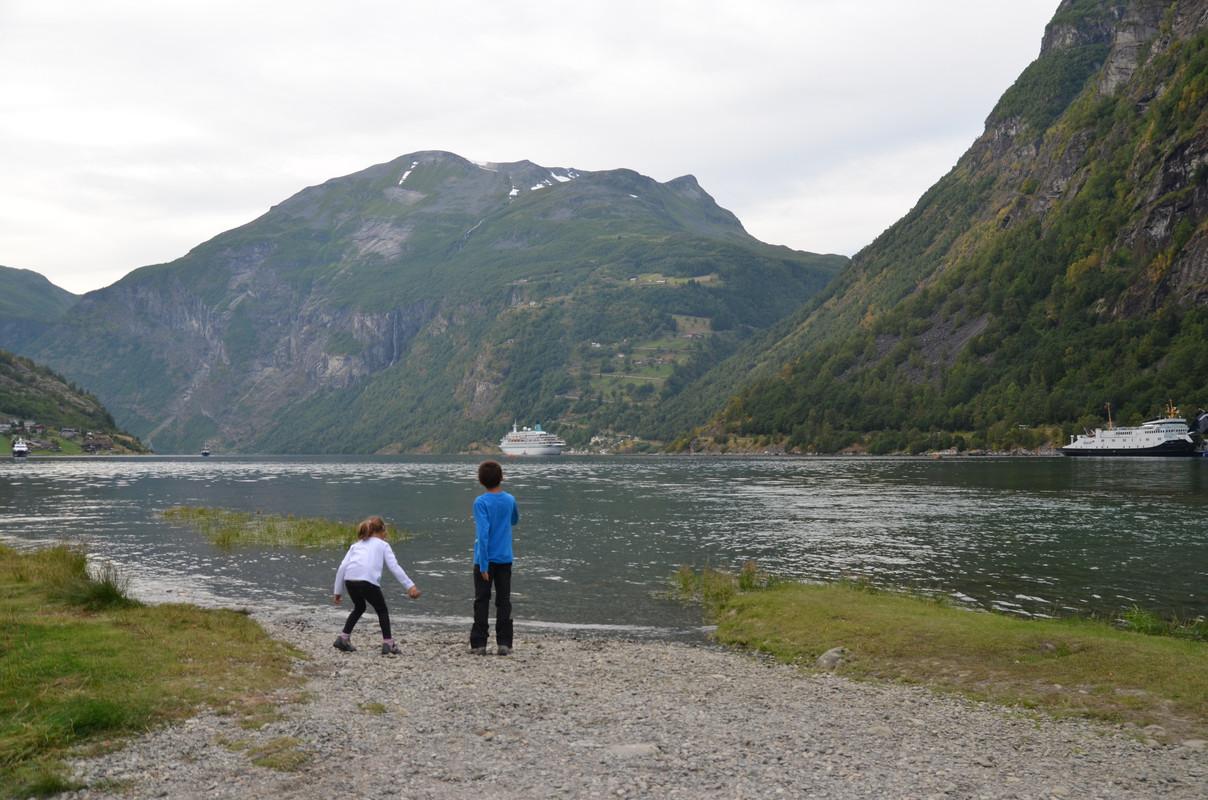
{"x":361,"y":574}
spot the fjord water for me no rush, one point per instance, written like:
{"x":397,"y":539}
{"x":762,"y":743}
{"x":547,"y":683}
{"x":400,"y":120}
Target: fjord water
{"x":599,"y":537}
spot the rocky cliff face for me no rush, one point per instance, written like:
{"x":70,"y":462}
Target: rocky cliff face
{"x":1135,"y":56}
{"x":1162,"y":166}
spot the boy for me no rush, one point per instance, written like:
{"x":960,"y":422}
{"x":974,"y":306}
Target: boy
{"x":495,"y":513}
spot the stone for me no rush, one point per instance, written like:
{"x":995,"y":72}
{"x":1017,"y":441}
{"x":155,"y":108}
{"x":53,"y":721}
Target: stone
{"x":832,"y":659}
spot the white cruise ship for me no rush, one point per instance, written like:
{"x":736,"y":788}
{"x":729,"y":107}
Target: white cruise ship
{"x":1168,"y":436}
{"x":530,"y":442}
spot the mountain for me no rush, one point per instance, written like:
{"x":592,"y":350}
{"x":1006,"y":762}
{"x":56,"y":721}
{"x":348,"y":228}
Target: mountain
{"x":425,"y":304}
{"x":1060,"y":266}
{"x":29,"y":305}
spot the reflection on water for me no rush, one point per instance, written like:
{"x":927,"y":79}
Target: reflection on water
{"x":599,"y":537}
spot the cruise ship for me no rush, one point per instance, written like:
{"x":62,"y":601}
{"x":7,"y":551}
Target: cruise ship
{"x":530,"y":442}
{"x":1168,"y":436}
{"x":20,"y":448}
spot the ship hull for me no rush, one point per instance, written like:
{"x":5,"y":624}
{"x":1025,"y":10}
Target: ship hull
{"x":531,"y":450}
{"x":1174,"y":449}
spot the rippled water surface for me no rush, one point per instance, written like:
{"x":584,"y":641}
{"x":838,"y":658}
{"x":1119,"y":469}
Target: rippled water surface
{"x":599,"y":537}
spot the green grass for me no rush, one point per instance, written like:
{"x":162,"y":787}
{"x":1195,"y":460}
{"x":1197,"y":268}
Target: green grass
{"x":230,"y":529}
{"x":1109,"y":670}
{"x":281,"y":754}
{"x":82,"y":665}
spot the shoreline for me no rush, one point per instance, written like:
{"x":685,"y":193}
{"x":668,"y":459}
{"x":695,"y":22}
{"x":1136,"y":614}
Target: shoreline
{"x":580,"y":716}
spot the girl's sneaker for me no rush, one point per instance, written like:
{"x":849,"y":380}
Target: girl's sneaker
{"x":389,"y":648}
{"x":344,"y":643}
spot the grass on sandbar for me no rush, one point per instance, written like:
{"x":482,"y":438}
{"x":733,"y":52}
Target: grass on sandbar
{"x":82,"y":665}
{"x":1107,"y":670}
{"x":230,"y":529}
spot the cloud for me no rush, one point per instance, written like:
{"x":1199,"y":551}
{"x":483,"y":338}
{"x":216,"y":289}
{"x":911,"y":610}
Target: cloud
{"x":131,"y":131}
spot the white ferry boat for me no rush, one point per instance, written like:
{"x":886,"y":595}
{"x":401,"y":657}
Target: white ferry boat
{"x":1168,"y":436}
{"x":530,"y":442}
{"x":20,"y":448}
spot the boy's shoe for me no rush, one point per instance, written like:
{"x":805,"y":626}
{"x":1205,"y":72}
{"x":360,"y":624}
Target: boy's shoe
{"x":478,"y":651}
{"x":344,"y":643}
{"x":389,"y":648}
{"x":504,"y":650}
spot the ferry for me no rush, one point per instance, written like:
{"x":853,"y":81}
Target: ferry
{"x":20,"y":448}
{"x":1165,"y":437}
{"x":530,"y":442}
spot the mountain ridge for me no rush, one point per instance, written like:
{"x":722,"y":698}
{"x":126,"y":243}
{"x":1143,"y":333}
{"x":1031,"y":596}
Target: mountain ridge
{"x":29,"y":305}
{"x":423,"y":303}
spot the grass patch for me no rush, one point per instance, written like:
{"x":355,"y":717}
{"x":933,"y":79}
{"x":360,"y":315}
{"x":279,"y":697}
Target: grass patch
{"x":230,"y":529}
{"x":1078,"y":667}
{"x":82,"y":666}
{"x":714,"y":588}
{"x":281,"y":754}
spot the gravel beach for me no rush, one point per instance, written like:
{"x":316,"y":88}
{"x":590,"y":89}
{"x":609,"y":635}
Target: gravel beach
{"x":581,"y":717}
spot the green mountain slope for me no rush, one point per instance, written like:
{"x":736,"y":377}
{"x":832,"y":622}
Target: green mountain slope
{"x":1060,"y":266}
{"x":29,"y":304}
{"x":29,"y":392}
{"x":425,"y":304}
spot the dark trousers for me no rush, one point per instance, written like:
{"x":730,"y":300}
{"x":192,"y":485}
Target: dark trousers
{"x":362,"y":592}
{"x":501,"y":579}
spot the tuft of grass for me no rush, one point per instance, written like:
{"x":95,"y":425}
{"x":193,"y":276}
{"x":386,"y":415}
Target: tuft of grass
{"x":714,"y":587}
{"x":68,"y":579}
{"x":1077,"y":667}
{"x":83,"y":666}
{"x":1150,"y":624}
{"x":281,"y":754}
{"x":229,"y":529}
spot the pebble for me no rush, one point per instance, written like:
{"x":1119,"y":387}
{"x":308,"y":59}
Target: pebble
{"x":582,"y":717}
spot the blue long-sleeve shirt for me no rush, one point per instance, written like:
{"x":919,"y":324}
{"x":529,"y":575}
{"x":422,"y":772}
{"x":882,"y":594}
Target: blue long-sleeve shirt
{"x":494,"y":515}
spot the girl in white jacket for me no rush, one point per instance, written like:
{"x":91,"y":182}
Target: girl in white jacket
{"x":360,"y":574}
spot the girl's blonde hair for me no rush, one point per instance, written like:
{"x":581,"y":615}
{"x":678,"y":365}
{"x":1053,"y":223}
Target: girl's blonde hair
{"x":371,"y":527}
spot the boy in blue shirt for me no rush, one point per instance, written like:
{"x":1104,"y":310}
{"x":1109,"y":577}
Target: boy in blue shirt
{"x":495,"y":513}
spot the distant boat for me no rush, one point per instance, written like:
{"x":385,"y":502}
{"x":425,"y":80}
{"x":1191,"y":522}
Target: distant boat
{"x":530,"y":442}
{"x":1165,"y":437}
{"x":20,"y":448}
{"x":205,"y":451}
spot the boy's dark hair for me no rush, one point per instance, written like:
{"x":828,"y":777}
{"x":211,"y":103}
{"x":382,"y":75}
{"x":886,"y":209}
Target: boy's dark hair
{"x":490,"y":474}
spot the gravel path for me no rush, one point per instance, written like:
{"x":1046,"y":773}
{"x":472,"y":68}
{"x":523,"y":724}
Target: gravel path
{"x":565,"y":717}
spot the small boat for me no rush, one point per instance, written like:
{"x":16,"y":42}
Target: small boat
{"x":20,"y":448}
{"x":1165,"y":437}
{"x":530,"y":442}
{"x":205,"y":451}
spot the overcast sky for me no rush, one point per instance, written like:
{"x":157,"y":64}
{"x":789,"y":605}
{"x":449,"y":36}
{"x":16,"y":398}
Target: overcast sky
{"x":132,"y":131}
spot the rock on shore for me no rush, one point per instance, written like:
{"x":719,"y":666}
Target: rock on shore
{"x":566,"y":717}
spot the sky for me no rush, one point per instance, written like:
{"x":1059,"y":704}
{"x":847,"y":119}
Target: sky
{"x":133,"y":130}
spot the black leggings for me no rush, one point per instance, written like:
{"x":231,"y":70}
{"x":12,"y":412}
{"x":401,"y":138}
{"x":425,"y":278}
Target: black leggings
{"x":362,"y":592}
